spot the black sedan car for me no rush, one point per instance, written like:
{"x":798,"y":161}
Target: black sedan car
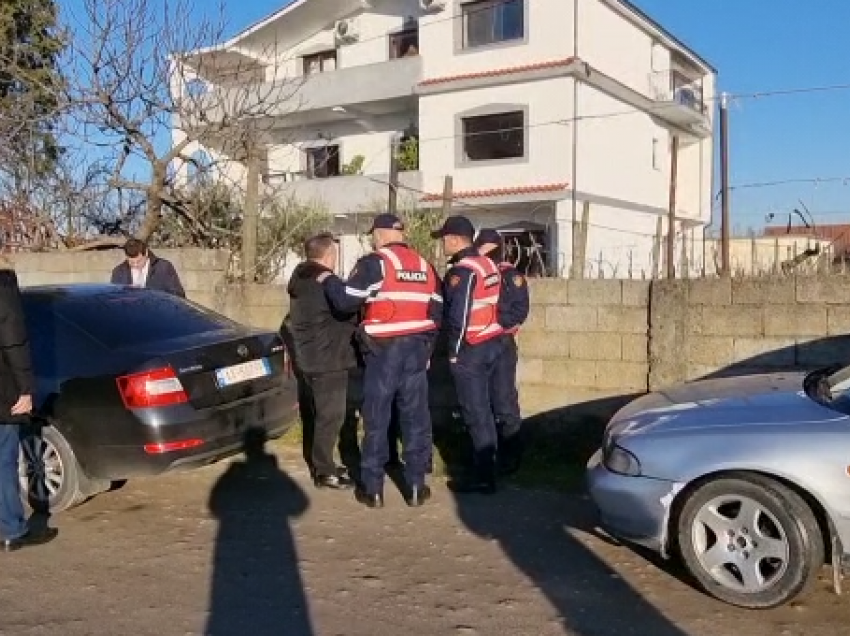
{"x":134,"y":382}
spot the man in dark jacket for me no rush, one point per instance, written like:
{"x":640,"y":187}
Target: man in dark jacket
{"x":324,"y":356}
{"x":17,"y":385}
{"x":143,"y":269}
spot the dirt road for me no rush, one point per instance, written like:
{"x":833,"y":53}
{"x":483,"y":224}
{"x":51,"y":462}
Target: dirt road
{"x":233,"y":551}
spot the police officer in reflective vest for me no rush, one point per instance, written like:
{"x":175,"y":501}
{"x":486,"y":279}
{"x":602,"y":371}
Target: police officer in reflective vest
{"x":513,"y":311}
{"x":400,"y":293}
{"x":471,"y":295}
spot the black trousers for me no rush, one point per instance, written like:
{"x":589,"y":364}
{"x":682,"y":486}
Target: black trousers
{"x":328,"y":418}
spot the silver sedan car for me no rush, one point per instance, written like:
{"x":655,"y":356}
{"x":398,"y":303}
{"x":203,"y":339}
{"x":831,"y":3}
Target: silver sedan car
{"x":745,"y":479}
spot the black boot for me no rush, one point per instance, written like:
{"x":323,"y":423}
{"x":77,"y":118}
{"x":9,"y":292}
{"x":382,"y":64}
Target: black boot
{"x":481,"y":481}
{"x":417,"y":496}
{"x":370,"y":500}
{"x":31,"y":538}
{"x":510,"y":455}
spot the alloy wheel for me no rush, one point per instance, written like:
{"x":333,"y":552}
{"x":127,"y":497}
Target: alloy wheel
{"x":740,"y":544}
{"x":40,"y":469}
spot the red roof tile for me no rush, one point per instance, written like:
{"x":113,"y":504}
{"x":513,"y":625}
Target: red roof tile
{"x":539,"y":66}
{"x":500,"y":192}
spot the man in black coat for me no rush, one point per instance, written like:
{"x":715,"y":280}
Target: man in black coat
{"x":322,"y":344}
{"x":17,"y":385}
{"x":143,"y":269}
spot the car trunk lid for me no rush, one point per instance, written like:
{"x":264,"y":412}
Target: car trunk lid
{"x":221,"y":368}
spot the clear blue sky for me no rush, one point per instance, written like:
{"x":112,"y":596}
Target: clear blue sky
{"x":756,"y":45}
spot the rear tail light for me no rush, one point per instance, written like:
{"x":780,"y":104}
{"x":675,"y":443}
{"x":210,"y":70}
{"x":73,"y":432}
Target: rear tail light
{"x":159,"y":387}
{"x":168,"y":447}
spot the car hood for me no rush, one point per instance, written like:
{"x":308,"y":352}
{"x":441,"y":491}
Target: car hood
{"x":771,"y":400}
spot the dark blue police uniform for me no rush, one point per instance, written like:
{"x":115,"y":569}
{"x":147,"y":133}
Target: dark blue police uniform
{"x":395,"y":369}
{"x":513,"y":309}
{"x":472,"y":366}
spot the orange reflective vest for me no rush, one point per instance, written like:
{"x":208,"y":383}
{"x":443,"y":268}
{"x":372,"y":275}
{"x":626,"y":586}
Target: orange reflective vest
{"x":503,"y":269}
{"x":400,"y":308}
{"x":483,"y":323}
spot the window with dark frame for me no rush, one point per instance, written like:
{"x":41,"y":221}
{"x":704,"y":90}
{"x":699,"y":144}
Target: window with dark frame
{"x":321,"y":62}
{"x":492,"y":22}
{"x":489,"y":137}
{"x":323,"y":162}
{"x":404,"y":44}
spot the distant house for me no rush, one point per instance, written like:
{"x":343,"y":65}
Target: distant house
{"x":836,"y":236}
{"x":535,"y":107}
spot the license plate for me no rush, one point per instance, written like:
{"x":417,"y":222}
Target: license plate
{"x":238,"y":373}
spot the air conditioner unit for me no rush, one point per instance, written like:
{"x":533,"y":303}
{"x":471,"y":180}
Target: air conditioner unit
{"x":346,"y":31}
{"x":433,"y":6}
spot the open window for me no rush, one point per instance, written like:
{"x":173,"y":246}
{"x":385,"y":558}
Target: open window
{"x":493,"y":137}
{"x":322,"y":162}
{"x":404,"y":43}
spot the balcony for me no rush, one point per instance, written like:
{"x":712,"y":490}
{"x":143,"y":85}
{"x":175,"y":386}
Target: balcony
{"x":371,"y":89}
{"x":679,"y":100}
{"x":347,"y":194}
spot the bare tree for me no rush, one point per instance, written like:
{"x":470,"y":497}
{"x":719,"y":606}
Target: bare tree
{"x":152,"y":84}
{"x":215,"y":222}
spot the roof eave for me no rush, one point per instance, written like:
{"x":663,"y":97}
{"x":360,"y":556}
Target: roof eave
{"x":655,"y":27}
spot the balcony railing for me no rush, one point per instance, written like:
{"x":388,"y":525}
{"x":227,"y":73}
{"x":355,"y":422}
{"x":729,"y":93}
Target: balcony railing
{"x":378,"y":82}
{"x":675,"y":87}
{"x":345,"y":194}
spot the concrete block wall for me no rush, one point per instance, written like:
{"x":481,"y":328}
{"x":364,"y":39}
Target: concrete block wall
{"x":201,"y":271}
{"x":721,"y":327}
{"x":585,"y":336}
{"x":585,"y":339}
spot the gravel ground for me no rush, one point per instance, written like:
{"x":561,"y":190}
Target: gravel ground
{"x":253,"y":549}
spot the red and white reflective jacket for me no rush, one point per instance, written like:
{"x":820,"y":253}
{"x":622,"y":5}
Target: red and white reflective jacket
{"x":400,"y":308}
{"x":483,"y":323}
{"x":503,"y":269}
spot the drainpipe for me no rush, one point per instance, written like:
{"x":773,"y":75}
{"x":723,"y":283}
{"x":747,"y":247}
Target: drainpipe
{"x":574,"y":201}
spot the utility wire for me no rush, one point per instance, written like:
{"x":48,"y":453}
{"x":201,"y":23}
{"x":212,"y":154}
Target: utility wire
{"x":780,"y":182}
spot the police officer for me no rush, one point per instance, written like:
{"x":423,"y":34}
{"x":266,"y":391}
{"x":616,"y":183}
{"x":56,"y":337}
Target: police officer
{"x":399,"y":291}
{"x":471,"y":295}
{"x":513,"y":311}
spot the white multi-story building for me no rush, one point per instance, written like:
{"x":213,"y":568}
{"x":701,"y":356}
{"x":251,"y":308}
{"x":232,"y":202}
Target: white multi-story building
{"x":545,"y":113}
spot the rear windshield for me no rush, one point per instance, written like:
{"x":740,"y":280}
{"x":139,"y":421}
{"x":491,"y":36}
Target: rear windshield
{"x":130,"y":318}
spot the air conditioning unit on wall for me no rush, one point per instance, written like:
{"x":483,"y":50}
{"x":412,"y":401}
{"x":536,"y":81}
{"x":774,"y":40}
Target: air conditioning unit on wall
{"x":433,"y":6}
{"x":346,"y":31}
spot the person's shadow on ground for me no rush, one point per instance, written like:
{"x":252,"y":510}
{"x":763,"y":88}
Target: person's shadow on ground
{"x":535,"y":531}
{"x":256,"y":587}
{"x":591,"y":599}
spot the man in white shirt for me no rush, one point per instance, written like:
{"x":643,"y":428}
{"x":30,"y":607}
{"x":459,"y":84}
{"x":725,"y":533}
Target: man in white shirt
{"x":143,"y":269}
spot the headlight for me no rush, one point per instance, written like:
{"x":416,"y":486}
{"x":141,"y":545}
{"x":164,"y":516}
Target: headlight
{"x":619,"y":460}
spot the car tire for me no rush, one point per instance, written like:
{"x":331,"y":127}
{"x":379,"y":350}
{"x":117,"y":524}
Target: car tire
{"x":749,"y":541}
{"x":51,"y":478}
